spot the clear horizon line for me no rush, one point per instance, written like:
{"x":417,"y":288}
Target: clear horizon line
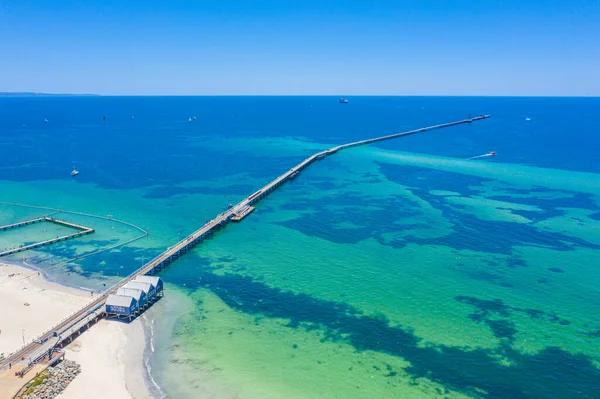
{"x":33,"y":93}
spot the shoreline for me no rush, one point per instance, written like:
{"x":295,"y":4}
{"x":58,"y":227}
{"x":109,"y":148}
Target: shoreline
{"x":152,"y":387}
{"x":112,"y":354}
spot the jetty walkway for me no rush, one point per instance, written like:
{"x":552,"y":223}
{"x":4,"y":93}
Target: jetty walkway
{"x":84,"y":317}
{"x":81,"y":231}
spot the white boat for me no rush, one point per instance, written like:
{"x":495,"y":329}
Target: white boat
{"x":194,"y":118}
{"x":45,"y":120}
{"x":527,"y":119}
{"x":189,"y":119}
{"x":75,"y":172}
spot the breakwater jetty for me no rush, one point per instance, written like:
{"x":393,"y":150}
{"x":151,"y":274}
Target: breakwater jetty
{"x":64,"y":331}
{"x":81,"y":231}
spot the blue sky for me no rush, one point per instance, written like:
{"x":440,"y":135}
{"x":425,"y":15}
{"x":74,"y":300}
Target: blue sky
{"x":437,"y":47}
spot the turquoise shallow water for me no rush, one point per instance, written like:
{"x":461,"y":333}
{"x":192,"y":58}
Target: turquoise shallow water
{"x":397,"y":270}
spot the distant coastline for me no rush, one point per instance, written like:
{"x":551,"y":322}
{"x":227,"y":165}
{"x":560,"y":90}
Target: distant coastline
{"x":32,"y":94}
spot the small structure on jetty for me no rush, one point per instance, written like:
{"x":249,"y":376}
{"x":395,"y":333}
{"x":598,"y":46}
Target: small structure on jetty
{"x":242,"y":213}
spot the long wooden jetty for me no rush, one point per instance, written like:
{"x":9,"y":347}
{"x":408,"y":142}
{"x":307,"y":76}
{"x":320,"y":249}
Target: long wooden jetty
{"x":91,"y":312}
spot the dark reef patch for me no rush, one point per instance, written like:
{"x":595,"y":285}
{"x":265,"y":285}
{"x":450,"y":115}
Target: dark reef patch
{"x":431,"y":179}
{"x":468,"y":231}
{"x":595,"y":334}
{"x":484,"y":275}
{"x":351,"y":207}
{"x":490,"y":309}
{"x":550,"y":206}
{"x":549,"y":374}
{"x":555,"y":270}
{"x":472,"y":233}
{"x":514,"y":262}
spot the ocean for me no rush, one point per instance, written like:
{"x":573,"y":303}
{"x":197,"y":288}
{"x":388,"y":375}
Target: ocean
{"x":396,"y":270}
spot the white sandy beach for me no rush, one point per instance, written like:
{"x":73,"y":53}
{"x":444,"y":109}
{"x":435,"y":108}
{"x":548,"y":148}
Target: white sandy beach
{"x":110,"y":353}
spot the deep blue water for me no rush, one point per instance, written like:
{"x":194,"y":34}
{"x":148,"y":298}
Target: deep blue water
{"x":124,"y":153}
{"x":180,"y":182}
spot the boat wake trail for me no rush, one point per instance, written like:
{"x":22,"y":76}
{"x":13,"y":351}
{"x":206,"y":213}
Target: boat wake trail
{"x":489,"y":154}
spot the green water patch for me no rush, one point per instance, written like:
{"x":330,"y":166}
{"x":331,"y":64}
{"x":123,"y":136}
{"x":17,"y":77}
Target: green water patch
{"x":493,"y":210}
{"x":423,"y":302}
{"x":575,"y":222}
{"x":250,"y":356}
{"x":471,"y":371}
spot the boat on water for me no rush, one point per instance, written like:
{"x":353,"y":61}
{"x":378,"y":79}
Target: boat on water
{"x":343,"y":100}
{"x":75,"y":172}
{"x":45,"y":120}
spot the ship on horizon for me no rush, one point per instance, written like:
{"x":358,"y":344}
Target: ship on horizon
{"x":343,"y":100}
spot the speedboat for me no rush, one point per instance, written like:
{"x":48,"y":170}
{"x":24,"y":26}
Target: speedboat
{"x":343,"y":100}
{"x":75,"y":172}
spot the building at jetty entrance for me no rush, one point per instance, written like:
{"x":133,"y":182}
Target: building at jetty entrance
{"x":133,"y":297}
{"x":155,"y":281}
{"x":120,"y":305}
{"x":148,"y":288}
{"x":139,"y":295}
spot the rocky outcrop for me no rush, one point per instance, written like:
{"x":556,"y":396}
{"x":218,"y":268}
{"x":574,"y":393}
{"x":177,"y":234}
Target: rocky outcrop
{"x":56,"y":380}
